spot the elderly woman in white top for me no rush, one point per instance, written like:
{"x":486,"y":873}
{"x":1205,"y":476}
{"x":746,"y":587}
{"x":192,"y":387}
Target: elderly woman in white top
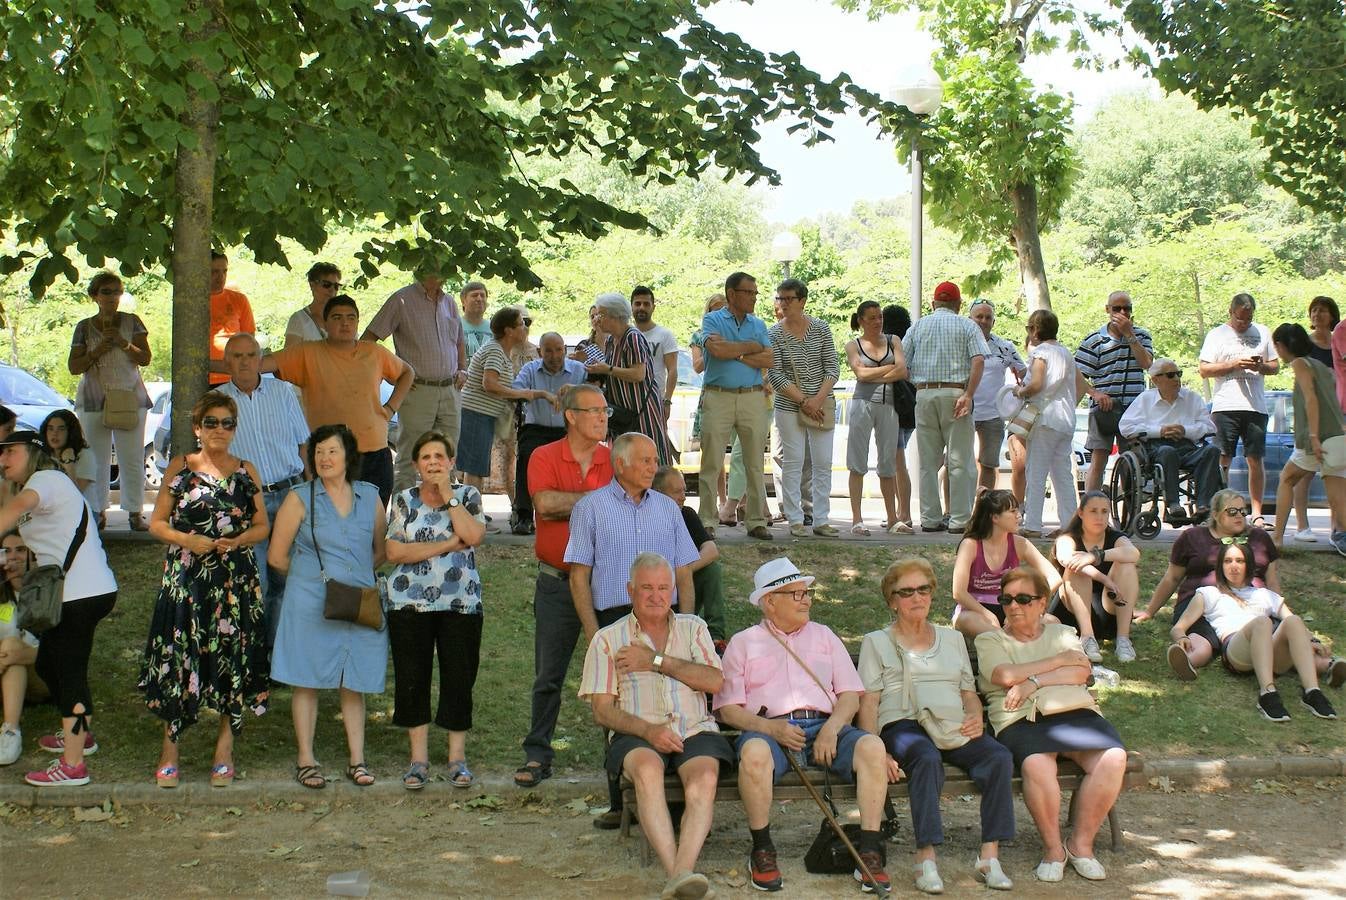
{"x":1003,"y":358}
{"x":1051,"y":388}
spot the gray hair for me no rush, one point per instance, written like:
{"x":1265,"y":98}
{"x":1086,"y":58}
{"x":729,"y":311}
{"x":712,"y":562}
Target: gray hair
{"x":243,"y":336}
{"x":1159,"y":364}
{"x":573,"y":397}
{"x":648,"y":559}
{"x":622,"y":446}
{"x":550,"y":334}
{"x":1243,"y":301}
{"x":662,"y":476}
{"x":614,"y":306}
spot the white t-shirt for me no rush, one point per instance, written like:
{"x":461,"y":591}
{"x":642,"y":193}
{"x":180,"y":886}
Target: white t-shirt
{"x":48,"y":528}
{"x":662,"y":342}
{"x":1057,"y":398}
{"x":1240,"y":390}
{"x":1227,"y":616}
{"x":997,"y":365}
{"x":302,"y":326}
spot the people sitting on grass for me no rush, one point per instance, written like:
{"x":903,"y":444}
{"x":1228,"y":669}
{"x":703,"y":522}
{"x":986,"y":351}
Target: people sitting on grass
{"x":1258,"y":634}
{"x":1033,"y":673}
{"x":991,"y":546}
{"x":1191,"y":563}
{"x":18,"y":648}
{"x":1101,"y":584}
{"x":647,"y":676}
{"x":797,"y":696}
{"x":920,"y":698}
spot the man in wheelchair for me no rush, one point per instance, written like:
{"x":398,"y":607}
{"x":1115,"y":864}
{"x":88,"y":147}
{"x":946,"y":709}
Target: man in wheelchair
{"x":1173,"y":424}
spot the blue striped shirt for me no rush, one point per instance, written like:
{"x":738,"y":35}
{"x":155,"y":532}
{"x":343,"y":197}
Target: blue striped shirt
{"x":271,"y":426}
{"x":535,"y":377}
{"x":608,"y":529}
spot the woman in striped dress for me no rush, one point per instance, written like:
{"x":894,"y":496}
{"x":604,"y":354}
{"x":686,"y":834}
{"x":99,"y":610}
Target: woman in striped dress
{"x":632,"y":391}
{"x":803,"y":371}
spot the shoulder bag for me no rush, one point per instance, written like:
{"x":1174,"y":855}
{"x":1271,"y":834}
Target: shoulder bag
{"x":38,"y":603}
{"x":945,"y":734}
{"x":344,"y":602}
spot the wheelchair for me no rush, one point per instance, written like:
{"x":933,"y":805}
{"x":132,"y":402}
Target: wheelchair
{"x":1136,"y":490}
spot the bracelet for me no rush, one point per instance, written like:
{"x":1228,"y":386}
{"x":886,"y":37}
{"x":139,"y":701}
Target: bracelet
{"x":1033,"y":678}
{"x":1098,"y":557}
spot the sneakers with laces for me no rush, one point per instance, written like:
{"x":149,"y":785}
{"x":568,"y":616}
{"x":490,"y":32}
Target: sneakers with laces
{"x":11,"y":745}
{"x":763,"y":871}
{"x":1317,"y":704}
{"x":874,"y":862}
{"x":1126,"y":651}
{"x":55,"y":743}
{"x":59,"y":774}
{"x":1271,"y":707}
{"x":1306,"y":536}
{"x":1339,"y":541}
{"x":1091,"y":650}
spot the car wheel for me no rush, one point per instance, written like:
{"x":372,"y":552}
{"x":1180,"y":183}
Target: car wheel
{"x":153,"y":477}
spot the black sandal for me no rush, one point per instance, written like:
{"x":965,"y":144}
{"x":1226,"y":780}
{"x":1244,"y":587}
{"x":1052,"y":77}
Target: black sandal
{"x":358,"y":771}
{"x":531,"y":774}
{"x":310,"y":777}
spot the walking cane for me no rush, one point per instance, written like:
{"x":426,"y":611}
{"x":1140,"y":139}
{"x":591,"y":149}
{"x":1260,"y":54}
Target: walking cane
{"x":836,"y":826}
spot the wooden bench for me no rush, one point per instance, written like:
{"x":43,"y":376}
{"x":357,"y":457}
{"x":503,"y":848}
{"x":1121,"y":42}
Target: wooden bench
{"x":956,"y":783}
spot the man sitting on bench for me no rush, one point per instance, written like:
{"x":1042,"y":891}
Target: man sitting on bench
{"x":790,"y":686}
{"x":647,"y":676}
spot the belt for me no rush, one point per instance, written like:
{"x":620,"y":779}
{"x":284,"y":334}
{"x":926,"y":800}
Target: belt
{"x":728,"y":390}
{"x":804,"y":715}
{"x":282,"y":484}
{"x":960,"y":385}
{"x":547,"y":569}
{"x":433,"y":382}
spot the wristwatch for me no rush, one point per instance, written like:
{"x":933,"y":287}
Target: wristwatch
{"x":453,"y":501}
{"x":658,"y":663}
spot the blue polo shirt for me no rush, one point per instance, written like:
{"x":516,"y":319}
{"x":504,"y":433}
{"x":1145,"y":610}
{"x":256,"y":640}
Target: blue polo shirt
{"x":535,"y":377}
{"x":730,"y":373}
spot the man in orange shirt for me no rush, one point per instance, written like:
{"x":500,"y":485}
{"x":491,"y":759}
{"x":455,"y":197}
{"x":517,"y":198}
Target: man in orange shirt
{"x":230,"y":313}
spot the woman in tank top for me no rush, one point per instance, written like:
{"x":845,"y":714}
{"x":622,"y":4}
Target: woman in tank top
{"x":991,"y":547}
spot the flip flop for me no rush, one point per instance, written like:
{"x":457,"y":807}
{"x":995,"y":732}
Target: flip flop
{"x":531,"y":774}
{"x":458,"y":770}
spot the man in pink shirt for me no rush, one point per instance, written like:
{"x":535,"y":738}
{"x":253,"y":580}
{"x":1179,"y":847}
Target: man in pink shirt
{"x":790,"y":686}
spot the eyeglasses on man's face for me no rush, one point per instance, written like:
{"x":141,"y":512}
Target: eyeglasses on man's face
{"x":1122,"y":308}
{"x":799,"y":596}
{"x":605,"y":410}
{"x":1176,"y":374}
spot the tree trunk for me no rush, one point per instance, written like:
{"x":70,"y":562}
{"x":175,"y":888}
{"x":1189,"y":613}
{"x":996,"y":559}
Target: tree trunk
{"x":194,"y":173}
{"x":1032,"y":270}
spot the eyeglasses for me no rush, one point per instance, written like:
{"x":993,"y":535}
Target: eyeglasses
{"x":1238,"y":539}
{"x":925,"y":590}
{"x":330,"y":285}
{"x":527,"y":322}
{"x":605,"y":410}
{"x":797,"y":596}
{"x":1021,"y":599}
{"x":1125,"y":309}
{"x":228,"y":423}
{"x":1176,"y":374}
{"x":1235,"y":510}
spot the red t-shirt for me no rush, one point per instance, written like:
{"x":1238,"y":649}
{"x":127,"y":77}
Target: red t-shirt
{"x":553,"y":467}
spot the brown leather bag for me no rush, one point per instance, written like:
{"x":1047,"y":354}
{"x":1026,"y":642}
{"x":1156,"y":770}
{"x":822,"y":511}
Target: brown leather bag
{"x":343,"y":602}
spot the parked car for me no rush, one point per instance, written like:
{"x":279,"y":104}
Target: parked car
{"x":28,"y":396}
{"x":1280,"y":446}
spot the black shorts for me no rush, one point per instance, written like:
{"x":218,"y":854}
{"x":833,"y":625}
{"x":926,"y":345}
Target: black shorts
{"x":706,"y":743}
{"x":1104,"y":622}
{"x":1251,"y":426}
{"x":1200,"y":626}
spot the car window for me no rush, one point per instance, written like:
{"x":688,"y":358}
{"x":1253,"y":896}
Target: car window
{"x":17,"y":386}
{"x":686,"y":374}
{"x":161,"y":404}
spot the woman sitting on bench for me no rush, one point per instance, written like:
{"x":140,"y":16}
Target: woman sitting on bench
{"x":920,"y":699}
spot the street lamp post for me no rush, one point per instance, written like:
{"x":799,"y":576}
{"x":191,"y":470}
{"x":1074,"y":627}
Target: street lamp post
{"x":920,"y":92}
{"x":785,"y":249}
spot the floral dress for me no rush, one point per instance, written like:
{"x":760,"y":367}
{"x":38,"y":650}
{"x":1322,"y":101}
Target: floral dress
{"x":207,"y":646}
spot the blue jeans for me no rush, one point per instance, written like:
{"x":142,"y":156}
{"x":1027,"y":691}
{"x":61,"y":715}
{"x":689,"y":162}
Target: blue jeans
{"x":843,"y":764}
{"x":273,"y":581}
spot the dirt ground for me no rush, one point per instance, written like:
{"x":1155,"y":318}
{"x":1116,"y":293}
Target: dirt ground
{"x":1269,"y":839}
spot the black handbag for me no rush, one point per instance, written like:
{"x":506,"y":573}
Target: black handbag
{"x":827,"y":855}
{"x":38,"y":604}
{"x":344,"y":602}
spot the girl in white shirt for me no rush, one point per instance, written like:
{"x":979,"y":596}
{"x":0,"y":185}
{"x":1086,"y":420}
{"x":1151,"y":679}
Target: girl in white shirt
{"x":1259,"y":634}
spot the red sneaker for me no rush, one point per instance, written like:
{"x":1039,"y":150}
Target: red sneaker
{"x":765,"y":873}
{"x":59,"y":774}
{"x":55,"y":743}
{"x":874,"y":862}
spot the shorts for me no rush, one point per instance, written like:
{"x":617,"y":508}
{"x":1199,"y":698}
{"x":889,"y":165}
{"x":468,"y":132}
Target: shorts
{"x":1104,"y":623}
{"x":9,"y":625}
{"x":990,"y":437}
{"x":1200,"y":627}
{"x":1332,"y":464}
{"x":1230,"y":425}
{"x":880,"y":420}
{"x":842,"y":764}
{"x":903,"y":436}
{"x":705,"y":743}
{"x":1103,"y":427}
{"x":475,"y":437}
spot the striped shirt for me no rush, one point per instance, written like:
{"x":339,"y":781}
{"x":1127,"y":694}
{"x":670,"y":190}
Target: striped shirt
{"x":271,"y":427}
{"x":1110,"y":365}
{"x":654,"y":697}
{"x":426,"y":333}
{"x":940,"y":347}
{"x":806,"y":363}
{"x":475,"y":396}
{"x":608,"y":529}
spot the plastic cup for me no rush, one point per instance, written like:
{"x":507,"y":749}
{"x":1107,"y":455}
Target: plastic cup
{"x":349,"y":884}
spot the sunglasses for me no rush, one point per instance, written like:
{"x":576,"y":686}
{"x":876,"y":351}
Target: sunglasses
{"x":1237,"y":539}
{"x":330,"y":285}
{"x":925,"y":590}
{"x":527,"y":322}
{"x":228,"y":423}
{"x":1235,"y":510}
{"x":1021,"y":599}
{"x":1175,"y":374}
{"x":1125,"y":309}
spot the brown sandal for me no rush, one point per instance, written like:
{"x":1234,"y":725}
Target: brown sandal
{"x":359,"y":775}
{"x":310,"y":777}
{"x":137,"y":522}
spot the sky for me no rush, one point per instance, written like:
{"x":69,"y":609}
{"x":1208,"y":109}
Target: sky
{"x":860,"y":164}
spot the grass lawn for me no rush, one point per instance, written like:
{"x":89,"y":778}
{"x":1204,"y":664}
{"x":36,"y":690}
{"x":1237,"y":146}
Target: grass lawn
{"x":1155,"y":714}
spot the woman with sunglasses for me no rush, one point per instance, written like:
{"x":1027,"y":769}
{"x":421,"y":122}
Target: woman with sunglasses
{"x":991,"y":546}
{"x":938,"y":688}
{"x":1033,"y":673}
{"x":1100,"y":582}
{"x":324,"y":283}
{"x":207,"y":640}
{"x":1191,"y":563}
{"x":1259,"y":634}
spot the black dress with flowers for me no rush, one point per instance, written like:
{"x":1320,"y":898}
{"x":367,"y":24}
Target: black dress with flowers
{"x":206,"y":646}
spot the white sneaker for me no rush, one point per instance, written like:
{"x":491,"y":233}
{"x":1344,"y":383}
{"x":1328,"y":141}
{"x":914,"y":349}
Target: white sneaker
{"x":989,"y":873}
{"x":927,"y":878}
{"x":1126,"y":651}
{"x":11,"y":745}
{"x":1090,"y":645}
{"x":1306,"y":537}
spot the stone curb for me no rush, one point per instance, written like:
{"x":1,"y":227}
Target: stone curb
{"x":1181,"y":772}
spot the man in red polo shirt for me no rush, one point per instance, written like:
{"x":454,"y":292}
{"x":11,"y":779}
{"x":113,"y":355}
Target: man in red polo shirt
{"x":559,"y":474}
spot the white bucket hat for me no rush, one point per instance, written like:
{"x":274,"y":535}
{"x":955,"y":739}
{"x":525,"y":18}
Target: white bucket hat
{"x":773,"y":575}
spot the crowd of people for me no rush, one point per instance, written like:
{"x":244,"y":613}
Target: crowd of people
{"x":278,"y":523}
